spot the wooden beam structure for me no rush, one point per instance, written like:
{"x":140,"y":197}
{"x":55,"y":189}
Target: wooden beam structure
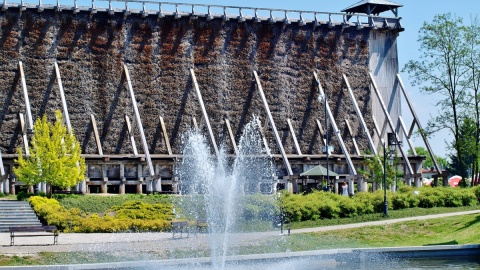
{"x":66,"y":116}
{"x":204,"y":111}
{"x":231,"y":136}
{"x":29,"y":119}
{"x":96,"y":134}
{"x":272,"y":125}
{"x":264,"y":139}
{"x":23,"y":126}
{"x":353,"y":171}
{"x":360,"y":116}
{"x":165,"y":136}
{"x":130,"y":135}
{"x":390,"y":123}
{"x":294,"y":137}
{"x":350,"y":131}
{"x":417,"y":121}
{"x":404,"y":129}
{"x":139,"y":122}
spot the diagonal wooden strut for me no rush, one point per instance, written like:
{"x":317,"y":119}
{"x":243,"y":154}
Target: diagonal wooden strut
{"x":139,"y":121}
{"x":272,"y":124}
{"x":390,"y":123}
{"x":415,"y":117}
{"x":204,"y":111}
{"x":353,"y":171}
{"x":62,"y":97}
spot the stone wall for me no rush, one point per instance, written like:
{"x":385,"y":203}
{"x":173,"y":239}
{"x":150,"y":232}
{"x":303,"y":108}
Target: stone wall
{"x":91,"y":51}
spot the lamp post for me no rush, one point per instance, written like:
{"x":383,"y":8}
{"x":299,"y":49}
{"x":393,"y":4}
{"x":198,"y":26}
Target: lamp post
{"x":392,"y":147}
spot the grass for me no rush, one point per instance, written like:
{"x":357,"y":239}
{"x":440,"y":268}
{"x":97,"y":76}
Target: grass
{"x":441,"y":231}
{"x":392,"y":214}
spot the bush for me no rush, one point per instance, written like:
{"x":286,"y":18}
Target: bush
{"x":131,"y":216}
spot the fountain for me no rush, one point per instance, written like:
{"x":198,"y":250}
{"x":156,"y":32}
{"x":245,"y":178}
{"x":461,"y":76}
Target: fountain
{"x":216,"y":189}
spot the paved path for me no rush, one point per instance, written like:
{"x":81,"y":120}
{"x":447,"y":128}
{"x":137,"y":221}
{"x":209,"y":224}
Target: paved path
{"x":154,"y":243}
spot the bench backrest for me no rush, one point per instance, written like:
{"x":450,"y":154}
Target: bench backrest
{"x":32,"y":229}
{"x":179,"y":224}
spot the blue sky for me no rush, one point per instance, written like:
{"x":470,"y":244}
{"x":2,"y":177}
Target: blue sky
{"x":413,"y":13}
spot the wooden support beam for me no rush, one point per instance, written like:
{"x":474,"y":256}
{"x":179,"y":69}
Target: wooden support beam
{"x":415,"y":117}
{"x":2,"y":168}
{"x":96,"y":134}
{"x":350,"y":131}
{"x":130,"y":135}
{"x":195,"y":124}
{"x":321,"y":131}
{"x":264,"y":139}
{"x":360,"y":116}
{"x":204,"y":111}
{"x":294,"y":137}
{"x":353,"y":171}
{"x":66,"y":117}
{"x":272,"y":124}
{"x":404,"y":129}
{"x":23,"y":126}
{"x":231,"y":136}
{"x":390,"y":122}
{"x":25,"y":95}
{"x":139,"y":122}
{"x":165,"y":136}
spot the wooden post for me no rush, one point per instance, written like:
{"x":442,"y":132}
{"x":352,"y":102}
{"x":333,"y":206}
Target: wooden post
{"x":353,"y":171}
{"x":294,"y":137}
{"x":130,"y":135}
{"x":165,"y":136}
{"x":204,"y":111}
{"x":272,"y":124}
{"x":390,"y":123}
{"x":23,"y":125}
{"x":360,"y":116}
{"x":404,"y":129}
{"x":424,"y":137}
{"x":265,"y":143}
{"x":62,"y":97}
{"x":139,"y":122}
{"x":96,"y":135}
{"x":25,"y":95}
{"x":232,"y":138}
{"x":350,"y":131}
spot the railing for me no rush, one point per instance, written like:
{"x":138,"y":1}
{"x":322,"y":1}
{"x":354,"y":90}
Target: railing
{"x":179,"y":10}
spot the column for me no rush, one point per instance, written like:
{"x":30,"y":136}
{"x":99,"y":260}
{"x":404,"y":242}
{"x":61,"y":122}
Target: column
{"x":123,"y":180}
{"x":103,"y":186}
{"x":140,"y":178}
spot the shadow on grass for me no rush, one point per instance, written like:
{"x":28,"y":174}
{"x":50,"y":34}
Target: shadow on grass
{"x":453,"y":242}
{"x":468,"y":224}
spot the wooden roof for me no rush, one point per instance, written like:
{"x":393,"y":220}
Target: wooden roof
{"x":373,"y":7}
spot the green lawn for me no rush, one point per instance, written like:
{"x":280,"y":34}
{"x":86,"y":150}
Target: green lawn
{"x":441,"y":231}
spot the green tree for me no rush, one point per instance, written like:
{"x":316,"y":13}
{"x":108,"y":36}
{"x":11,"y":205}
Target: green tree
{"x":54,"y":156}
{"x":442,"y":162}
{"x":442,"y":70}
{"x":374,"y":170}
{"x":473,"y":83}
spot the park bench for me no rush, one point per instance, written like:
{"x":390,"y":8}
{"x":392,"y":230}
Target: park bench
{"x":180,"y":227}
{"x":201,"y":226}
{"x":33,"y":231}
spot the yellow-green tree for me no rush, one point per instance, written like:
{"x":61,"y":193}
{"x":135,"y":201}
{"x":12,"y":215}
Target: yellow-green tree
{"x":54,"y":156}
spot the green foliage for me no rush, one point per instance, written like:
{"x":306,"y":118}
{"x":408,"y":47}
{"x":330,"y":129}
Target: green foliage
{"x":54,"y":156}
{"x":442,"y":162}
{"x":324,"y":205}
{"x":132,"y":216}
{"x":102,"y":204}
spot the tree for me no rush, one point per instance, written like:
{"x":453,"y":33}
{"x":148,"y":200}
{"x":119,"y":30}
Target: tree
{"x":473,"y":83}
{"x":442,"y":162}
{"x":54,"y":156}
{"x":442,"y":69}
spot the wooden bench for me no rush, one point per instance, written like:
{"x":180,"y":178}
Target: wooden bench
{"x":201,"y":225}
{"x":180,"y":227}
{"x":33,"y":231}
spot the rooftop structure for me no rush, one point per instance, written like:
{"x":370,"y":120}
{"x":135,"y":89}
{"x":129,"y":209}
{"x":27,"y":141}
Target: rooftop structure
{"x":373,"y":7}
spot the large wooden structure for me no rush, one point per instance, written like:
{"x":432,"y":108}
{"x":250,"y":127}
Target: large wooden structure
{"x":142,"y":73}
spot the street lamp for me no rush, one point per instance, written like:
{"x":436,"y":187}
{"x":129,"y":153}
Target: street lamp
{"x":392,"y":147}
